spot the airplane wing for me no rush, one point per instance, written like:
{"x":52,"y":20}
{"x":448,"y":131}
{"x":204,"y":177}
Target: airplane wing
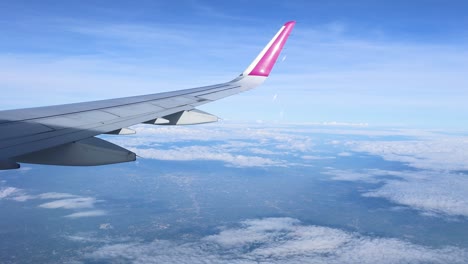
{"x":65,"y":134}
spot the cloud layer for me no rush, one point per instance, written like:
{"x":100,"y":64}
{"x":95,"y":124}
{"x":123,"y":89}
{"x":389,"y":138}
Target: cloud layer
{"x":252,"y":147}
{"x":435,"y":188}
{"x":206,"y":153}
{"x":433,"y":192}
{"x":278,"y":240}
{"x":436,"y":152}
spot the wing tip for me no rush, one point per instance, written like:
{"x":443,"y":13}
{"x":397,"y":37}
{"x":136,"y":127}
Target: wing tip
{"x":268,"y":59}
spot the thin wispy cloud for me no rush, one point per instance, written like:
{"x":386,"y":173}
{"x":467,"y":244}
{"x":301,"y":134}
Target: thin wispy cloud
{"x":73,"y":203}
{"x":92,"y":213}
{"x":55,"y":195}
{"x":6,"y":192}
{"x":80,"y":204}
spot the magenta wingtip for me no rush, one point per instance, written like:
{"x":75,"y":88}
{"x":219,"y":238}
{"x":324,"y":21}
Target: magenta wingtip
{"x":267,"y":61}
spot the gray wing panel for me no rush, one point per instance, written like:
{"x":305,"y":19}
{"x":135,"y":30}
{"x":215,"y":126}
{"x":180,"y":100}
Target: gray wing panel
{"x":30,"y":130}
{"x":39,"y":112}
{"x":19,"y":129}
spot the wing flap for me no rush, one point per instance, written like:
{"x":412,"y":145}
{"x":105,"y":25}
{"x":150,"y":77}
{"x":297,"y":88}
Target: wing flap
{"x":35,"y":142}
{"x":8,"y":165}
{"x":191,"y":117}
{"x":87,"y":152}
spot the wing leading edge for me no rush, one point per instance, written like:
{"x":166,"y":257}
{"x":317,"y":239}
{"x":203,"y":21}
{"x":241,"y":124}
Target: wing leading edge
{"x":65,"y":134}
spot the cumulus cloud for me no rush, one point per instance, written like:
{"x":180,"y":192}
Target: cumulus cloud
{"x":278,"y":240}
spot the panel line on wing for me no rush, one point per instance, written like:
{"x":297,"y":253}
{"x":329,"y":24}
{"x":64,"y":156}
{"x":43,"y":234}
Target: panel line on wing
{"x":211,"y":92}
{"x":190,"y":92}
{"x":91,"y":129}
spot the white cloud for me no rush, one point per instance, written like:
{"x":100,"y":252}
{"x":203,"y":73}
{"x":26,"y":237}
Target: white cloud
{"x":345,"y":124}
{"x":311,"y":157}
{"x":105,"y":226}
{"x":432,"y":192}
{"x":345,"y":154}
{"x":237,"y":145}
{"x":206,"y":153}
{"x":437,"y":153}
{"x":93,"y":237}
{"x":279,"y":240}
{"x":232,"y":134}
{"x":8,"y":192}
{"x":20,"y":195}
{"x":349,"y":175}
{"x":55,"y":195}
{"x":263,"y":151}
{"x":92,"y":213}
{"x":59,"y":201}
{"x":436,"y":188}
{"x":254,"y":231}
{"x":23,"y":197}
{"x":72,"y":203}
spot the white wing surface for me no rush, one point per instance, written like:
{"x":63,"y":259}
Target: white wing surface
{"x":65,"y":134}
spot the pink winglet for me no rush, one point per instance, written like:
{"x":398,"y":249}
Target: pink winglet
{"x":265,"y":64}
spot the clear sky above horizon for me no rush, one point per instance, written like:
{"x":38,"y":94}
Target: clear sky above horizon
{"x":395,"y":63}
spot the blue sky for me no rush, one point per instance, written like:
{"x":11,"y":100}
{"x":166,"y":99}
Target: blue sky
{"x":398,"y":63}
